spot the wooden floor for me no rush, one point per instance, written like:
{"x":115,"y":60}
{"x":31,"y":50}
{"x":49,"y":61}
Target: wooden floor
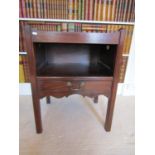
{"x":74,"y":126}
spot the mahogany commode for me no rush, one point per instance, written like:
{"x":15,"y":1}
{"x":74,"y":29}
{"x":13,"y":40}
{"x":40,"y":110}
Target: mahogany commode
{"x":65,"y":63}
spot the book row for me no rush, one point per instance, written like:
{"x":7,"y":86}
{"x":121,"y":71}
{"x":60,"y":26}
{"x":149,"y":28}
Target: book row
{"x":101,"y":10}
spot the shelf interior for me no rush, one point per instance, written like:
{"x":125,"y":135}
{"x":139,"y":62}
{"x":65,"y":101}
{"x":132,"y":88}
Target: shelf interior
{"x":74,"y":59}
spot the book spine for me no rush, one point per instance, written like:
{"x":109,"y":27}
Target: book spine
{"x":119,"y":10}
{"x":79,"y":9}
{"x":106,"y":13}
{"x":38,"y":9}
{"x":77,"y":25}
{"x":46,"y":26}
{"x":61,"y":9}
{"x":20,"y":9}
{"x":75,"y":11}
{"x":128,"y":10}
{"x":80,"y":27}
{"x":41,"y":9}
{"x":45,"y":8}
{"x":91,"y":12}
{"x":95,"y":10}
{"x":130,"y":30}
{"x":123,"y":69}
{"x":25,"y":61}
{"x":55,"y":10}
{"x":109,"y":28}
{"x":34,"y":9}
{"x":31,"y":8}
{"x":56,"y":15}
{"x":49,"y":28}
{"x":70,"y":9}
{"x":104,"y":10}
{"x":86,"y":10}
{"x":133,"y":13}
{"x":113,"y":10}
{"x":66,"y":9}
{"x":125,"y":10}
{"x":101,"y":13}
{"x":109,"y":2}
{"x":112,"y":28}
{"x":122,"y":10}
{"x":27,"y":8}
{"x":99,"y":9}
{"x":83,"y":30}
{"x":132,"y":10}
{"x":21,"y":70}
{"x":64,"y":27}
{"x":71,"y":27}
{"x":59,"y":26}
{"x":20,"y":41}
{"x":116,"y":10}
{"x":125,"y":39}
{"x":83,"y":11}
{"x":51,"y":9}
{"x":58,"y":9}
{"x":23,"y":8}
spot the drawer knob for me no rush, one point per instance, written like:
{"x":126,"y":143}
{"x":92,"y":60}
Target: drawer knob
{"x":69,"y":84}
{"x":82,"y":84}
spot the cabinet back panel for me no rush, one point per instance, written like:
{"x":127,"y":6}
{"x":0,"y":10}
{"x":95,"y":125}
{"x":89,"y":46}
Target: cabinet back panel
{"x":67,"y":53}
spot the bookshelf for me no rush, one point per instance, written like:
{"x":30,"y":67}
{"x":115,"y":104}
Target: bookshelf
{"x":77,"y":21}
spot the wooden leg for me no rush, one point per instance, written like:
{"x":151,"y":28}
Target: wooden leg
{"x":36,"y":108}
{"x":109,"y":114}
{"x":48,"y":100}
{"x":96,"y":99}
{"x":37,"y":115}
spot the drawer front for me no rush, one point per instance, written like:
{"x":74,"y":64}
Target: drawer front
{"x":67,"y":87}
{"x":53,"y":85}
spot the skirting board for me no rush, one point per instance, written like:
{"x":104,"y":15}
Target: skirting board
{"x":123,"y":89}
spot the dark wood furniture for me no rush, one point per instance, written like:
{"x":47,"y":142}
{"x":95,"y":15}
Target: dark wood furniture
{"x":65,"y":63}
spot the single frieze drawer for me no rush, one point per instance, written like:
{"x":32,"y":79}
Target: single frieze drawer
{"x":47,"y":86}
